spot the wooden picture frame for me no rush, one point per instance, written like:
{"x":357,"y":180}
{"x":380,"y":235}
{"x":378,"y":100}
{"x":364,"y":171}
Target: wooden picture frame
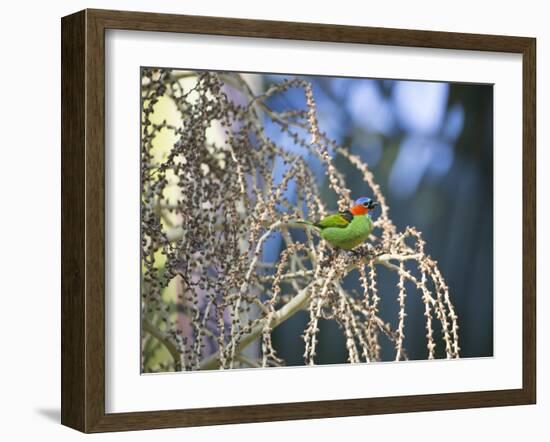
{"x":83,"y":220}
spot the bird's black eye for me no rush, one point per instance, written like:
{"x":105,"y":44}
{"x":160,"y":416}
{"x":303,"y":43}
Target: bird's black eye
{"x":366,"y":204}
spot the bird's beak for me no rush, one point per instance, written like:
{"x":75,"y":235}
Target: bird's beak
{"x":373,"y":204}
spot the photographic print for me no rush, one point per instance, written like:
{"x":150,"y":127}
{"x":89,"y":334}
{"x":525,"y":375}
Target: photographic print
{"x":301,"y":220}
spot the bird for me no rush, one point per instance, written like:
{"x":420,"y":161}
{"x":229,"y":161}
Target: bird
{"x":348,"y":229}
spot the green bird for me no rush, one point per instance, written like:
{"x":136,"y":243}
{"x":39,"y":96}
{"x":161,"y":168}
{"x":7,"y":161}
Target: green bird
{"x":346,"y":230}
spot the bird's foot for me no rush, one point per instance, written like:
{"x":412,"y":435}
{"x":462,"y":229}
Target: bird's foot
{"x":353,"y":253}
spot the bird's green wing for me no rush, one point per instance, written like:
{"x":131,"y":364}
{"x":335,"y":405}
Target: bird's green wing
{"x":341,"y":220}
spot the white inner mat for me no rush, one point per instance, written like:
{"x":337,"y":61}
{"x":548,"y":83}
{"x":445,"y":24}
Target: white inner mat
{"x":127,"y":390}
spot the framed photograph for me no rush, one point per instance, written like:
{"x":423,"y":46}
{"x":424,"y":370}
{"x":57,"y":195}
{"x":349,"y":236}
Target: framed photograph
{"x":269,"y":220}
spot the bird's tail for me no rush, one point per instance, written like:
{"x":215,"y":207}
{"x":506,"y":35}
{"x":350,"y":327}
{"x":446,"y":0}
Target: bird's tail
{"x":306,"y":223}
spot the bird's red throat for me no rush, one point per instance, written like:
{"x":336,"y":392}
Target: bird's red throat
{"x":359,"y":209}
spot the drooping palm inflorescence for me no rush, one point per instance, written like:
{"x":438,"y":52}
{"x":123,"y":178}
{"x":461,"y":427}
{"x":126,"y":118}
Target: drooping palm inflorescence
{"x":211,"y":204}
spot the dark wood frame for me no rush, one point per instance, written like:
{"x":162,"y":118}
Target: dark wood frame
{"x":83,"y":216}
